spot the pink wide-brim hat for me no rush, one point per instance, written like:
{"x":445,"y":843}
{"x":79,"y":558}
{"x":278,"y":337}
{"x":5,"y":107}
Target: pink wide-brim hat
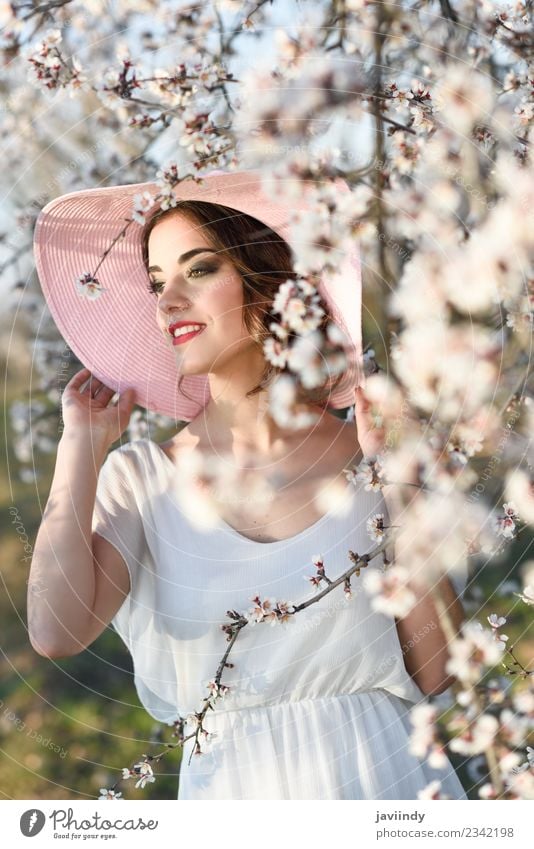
{"x":116,"y":335}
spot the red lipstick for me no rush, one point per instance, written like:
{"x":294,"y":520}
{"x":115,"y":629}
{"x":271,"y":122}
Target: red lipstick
{"x":195,"y":329}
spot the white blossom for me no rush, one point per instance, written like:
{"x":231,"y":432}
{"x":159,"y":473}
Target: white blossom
{"x":275,"y":352}
{"x":89,"y":287}
{"x":429,"y":519}
{"x":523,"y":702}
{"x":389,"y":590}
{"x":304,"y":359}
{"x":217,"y":689}
{"x":369,"y":472}
{"x":108,"y":794}
{"x":521,"y":783}
{"x":146,"y":773}
{"x":282,"y":404}
{"x":477,"y":738}
{"x":454,"y":385}
{"x":375,"y":527}
{"x":487,"y":791}
{"x":473,"y":652}
{"x":527,"y":595}
{"x":462,"y":97}
{"x":504,"y":525}
{"x":142,"y":203}
{"x":269,"y":610}
{"x":519,"y":489}
{"x":513,"y":728}
{"x":142,"y":769}
{"x":423,"y":717}
{"x":205,"y":484}
{"x":431,"y":791}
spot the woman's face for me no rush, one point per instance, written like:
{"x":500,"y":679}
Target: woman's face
{"x":202,"y":289}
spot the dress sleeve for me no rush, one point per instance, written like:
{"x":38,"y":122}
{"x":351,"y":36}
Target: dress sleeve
{"x":122,"y":516}
{"x":117,"y":518}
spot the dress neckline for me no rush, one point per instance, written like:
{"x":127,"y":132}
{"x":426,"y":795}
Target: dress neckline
{"x":335,"y":513}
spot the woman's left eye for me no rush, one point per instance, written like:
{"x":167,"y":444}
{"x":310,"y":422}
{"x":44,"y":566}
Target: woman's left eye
{"x":200,"y":269}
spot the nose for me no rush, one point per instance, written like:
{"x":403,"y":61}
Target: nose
{"x":172,"y":299}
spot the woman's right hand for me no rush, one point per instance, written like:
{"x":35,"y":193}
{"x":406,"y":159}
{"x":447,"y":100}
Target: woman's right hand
{"x":89,"y":411}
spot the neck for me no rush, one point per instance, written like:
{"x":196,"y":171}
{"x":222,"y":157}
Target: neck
{"x":233,"y":420}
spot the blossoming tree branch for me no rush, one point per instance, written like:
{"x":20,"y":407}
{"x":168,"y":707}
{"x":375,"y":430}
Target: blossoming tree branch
{"x":425,"y":109}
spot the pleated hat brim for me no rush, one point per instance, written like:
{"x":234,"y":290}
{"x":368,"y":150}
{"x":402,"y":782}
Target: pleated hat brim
{"x":116,"y":335}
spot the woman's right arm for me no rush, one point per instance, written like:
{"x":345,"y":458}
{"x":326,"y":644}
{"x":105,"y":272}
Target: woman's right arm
{"x":77,"y":579}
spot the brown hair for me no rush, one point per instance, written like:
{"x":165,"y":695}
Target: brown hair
{"x":264,"y":260}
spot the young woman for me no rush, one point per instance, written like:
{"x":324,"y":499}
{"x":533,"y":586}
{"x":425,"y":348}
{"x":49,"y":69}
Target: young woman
{"x":317,"y":707}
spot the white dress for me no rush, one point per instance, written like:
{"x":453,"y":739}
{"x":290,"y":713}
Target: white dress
{"x":317,"y":707}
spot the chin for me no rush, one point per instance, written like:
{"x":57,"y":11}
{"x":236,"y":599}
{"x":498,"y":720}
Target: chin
{"x":191,"y":362}
{"x":190,"y":369}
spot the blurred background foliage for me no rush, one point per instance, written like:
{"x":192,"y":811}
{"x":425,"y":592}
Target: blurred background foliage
{"x":67,"y":726}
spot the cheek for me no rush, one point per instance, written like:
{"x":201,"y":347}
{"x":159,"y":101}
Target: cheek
{"x":223,"y":301}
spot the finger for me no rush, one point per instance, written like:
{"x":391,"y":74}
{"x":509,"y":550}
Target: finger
{"x":363,"y":400}
{"x":126,"y":399}
{"x":79,"y":378}
{"x":94,"y":385}
{"x":105,"y":394}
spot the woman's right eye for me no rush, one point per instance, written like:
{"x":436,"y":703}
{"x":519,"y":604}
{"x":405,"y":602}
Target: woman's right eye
{"x":200,"y":270}
{"x":153,"y":286}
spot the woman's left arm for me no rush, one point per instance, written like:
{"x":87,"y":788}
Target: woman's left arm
{"x":423,"y":643}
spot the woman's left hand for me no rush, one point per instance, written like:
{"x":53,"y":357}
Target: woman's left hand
{"x":371,"y":438}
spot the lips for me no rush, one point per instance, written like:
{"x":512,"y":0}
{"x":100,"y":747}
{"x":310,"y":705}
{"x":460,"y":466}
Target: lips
{"x":184,"y":337}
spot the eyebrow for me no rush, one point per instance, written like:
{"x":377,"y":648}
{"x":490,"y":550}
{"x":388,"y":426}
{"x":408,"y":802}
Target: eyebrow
{"x":188,"y":255}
